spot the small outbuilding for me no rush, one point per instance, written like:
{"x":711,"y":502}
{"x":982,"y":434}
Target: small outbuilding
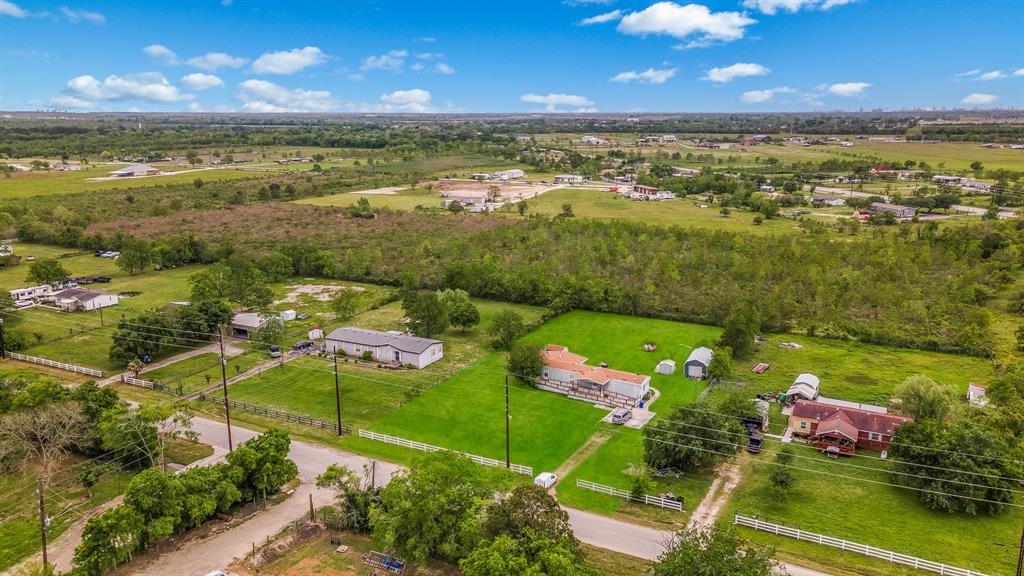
{"x":75,"y":299}
{"x":805,"y":386}
{"x":696,"y":366}
{"x":245,"y":324}
{"x":135,"y":170}
{"x":666,"y":367}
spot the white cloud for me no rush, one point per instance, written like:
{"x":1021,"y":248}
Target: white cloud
{"x":586,"y":2}
{"x":771,"y":7}
{"x":430,"y":56}
{"x":759,"y":96}
{"x":442,"y":68}
{"x":683,"y":22}
{"x":200,"y":81}
{"x":413,"y":100}
{"x":288,"y":61}
{"x":76,"y":16}
{"x":969,"y":73}
{"x":11,"y":9}
{"x":849,"y":89}
{"x":161,"y":53}
{"x":426,"y":39}
{"x":149,"y":86}
{"x":993,"y":75}
{"x":214,"y":61}
{"x":263,"y":96}
{"x":979,"y":98}
{"x":226,"y":3}
{"x":66,"y":101}
{"x":1018,"y":72}
{"x":356,"y":77}
{"x":737,"y":70}
{"x":393,"y":61}
{"x":649,"y":76}
{"x":601,"y":18}
{"x":553,"y":100}
{"x":417,"y":66}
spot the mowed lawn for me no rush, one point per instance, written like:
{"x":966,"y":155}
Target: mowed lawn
{"x":680,"y":212}
{"x":887,"y":517}
{"x":855,"y":371}
{"x":200,"y":371}
{"x":407,"y":199}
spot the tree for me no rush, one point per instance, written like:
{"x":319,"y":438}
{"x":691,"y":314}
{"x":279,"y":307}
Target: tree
{"x":781,"y":477}
{"x":922,"y":398}
{"x":264,"y":464}
{"x":430,"y":510}
{"x":136,"y":256}
{"x":455,"y":207}
{"x":525,"y":362}
{"x":427,"y":314}
{"x":721,"y":363}
{"x":215,"y":313}
{"x":691,"y":438}
{"x":640,"y":481}
{"x":245,"y":285}
{"x":522,"y":207}
{"x":741,"y":327}
{"x":275,"y":267}
{"x":159,"y":497}
{"x":532,"y":555}
{"x":714,"y":551}
{"x":464,"y":315}
{"x":46,"y":271}
{"x":109,"y":540}
{"x":172,"y":421}
{"x":505,"y":329}
{"x":198,"y":183}
{"x":344,"y":304}
{"x":528,"y":509}
{"x":148,"y":334}
{"x":270,"y":331}
{"x":131,"y":434}
{"x":354,"y":498}
{"x":977,"y":166}
{"x":42,"y":436}
{"x":566,"y":211}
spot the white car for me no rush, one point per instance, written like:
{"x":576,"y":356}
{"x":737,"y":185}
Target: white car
{"x":545,"y":480}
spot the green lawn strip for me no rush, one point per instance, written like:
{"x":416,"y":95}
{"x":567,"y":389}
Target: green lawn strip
{"x":184,"y":451}
{"x":200,"y":371}
{"x":856,"y":371}
{"x":608,"y":466}
{"x":57,"y":183}
{"x":883,"y":516}
{"x":19,"y":530}
{"x":407,"y":199}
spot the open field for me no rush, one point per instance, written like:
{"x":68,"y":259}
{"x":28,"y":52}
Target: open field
{"x":681,"y":212}
{"x":199,"y":371}
{"x":852,"y":370}
{"x":854,"y":510}
{"x":407,"y":199}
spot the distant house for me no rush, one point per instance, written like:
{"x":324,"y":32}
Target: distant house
{"x":386,"y":347}
{"x":31,"y":292}
{"x":976,"y":395}
{"x":666,"y":367}
{"x":766,"y":188}
{"x":513,"y":174}
{"x":645,"y":190}
{"x":245,"y":324}
{"x":480,"y":176}
{"x":75,"y":299}
{"x":567,"y":373}
{"x":977,"y":185}
{"x":805,"y":386}
{"x":901,"y":212}
{"x":696,"y":365}
{"x":669,"y":138}
{"x":474,"y":200}
{"x":826,"y":200}
{"x":569,"y":179}
{"x":67,"y":167}
{"x":593,"y":140}
{"x":948,"y":180}
{"x":135,"y":170}
{"x":841,"y":430}
{"x":846,"y":144}
{"x":687,"y":172}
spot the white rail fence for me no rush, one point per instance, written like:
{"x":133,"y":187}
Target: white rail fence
{"x":871,"y":551}
{"x":55,"y":364}
{"x":659,"y":501}
{"x":151,"y":385}
{"x":481,"y":460}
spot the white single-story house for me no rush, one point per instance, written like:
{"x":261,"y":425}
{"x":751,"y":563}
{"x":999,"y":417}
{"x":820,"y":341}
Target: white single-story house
{"x":948,"y":180}
{"x":805,"y":386}
{"x":569,"y":179}
{"x":666,"y":367}
{"x":826,"y":200}
{"x":74,"y":299}
{"x":567,"y":373}
{"x":512,"y":174}
{"x":31,"y":292}
{"x":135,"y":170}
{"x":467,"y":198}
{"x":387,"y":347}
{"x":592,"y":140}
{"x":766,"y":188}
{"x":244,"y":324}
{"x":901,"y":212}
{"x":696,"y":366}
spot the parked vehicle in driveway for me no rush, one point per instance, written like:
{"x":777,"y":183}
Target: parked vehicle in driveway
{"x":274,"y":351}
{"x":621,"y":416}
{"x":302,"y":345}
{"x":545,"y":480}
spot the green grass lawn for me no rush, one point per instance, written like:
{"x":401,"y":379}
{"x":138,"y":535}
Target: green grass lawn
{"x":407,"y":199}
{"x":681,"y":212}
{"x":883,"y":516}
{"x":197,"y":372}
{"x":55,"y":183}
{"x":854,"y":371}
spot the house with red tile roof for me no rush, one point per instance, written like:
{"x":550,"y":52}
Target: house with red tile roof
{"x":843,"y":428}
{"x":567,"y":373}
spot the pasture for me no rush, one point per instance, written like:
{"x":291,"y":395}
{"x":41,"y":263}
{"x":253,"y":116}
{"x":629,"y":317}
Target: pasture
{"x":407,"y":199}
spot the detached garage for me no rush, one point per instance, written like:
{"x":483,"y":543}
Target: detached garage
{"x":696,"y":367}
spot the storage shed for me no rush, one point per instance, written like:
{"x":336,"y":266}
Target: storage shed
{"x":696,"y":366}
{"x":805,"y":386}
{"x":666,"y":367}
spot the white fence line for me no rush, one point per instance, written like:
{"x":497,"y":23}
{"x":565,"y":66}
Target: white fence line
{"x":864,"y":549}
{"x":481,"y":460}
{"x":55,"y":364}
{"x":150,"y":384}
{"x":659,"y":501}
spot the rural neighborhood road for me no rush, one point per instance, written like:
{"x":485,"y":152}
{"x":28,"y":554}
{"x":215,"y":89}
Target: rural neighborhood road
{"x":977,"y":210}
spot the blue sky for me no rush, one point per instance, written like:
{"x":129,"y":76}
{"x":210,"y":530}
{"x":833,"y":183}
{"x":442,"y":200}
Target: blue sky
{"x":458,"y":56}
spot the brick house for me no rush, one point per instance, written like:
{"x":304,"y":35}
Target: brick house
{"x":831,"y":427}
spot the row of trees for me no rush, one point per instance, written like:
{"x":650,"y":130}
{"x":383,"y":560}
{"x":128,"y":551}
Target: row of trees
{"x":159,"y":504}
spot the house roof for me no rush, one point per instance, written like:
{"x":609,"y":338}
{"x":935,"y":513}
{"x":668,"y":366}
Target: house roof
{"x":250,"y":320}
{"x":398,"y":341}
{"x":884,"y":206}
{"x":79,"y":294}
{"x":862,"y":420}
{"x":824,"y":198}
{"x":802,"y":388}
{"x":701,"y":354}
{"x":809,"y":379}
{"x":667,"y":362}
{"x":556,"y":356}
{"x":838,"y":423}
{"x":135,"y":169}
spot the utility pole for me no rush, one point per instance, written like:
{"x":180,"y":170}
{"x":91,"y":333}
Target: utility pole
{"x":3,"y":346}
{"x":101,"y":317}
{"x":42,"y":518}
{"x":373,"y":475}
{"x":224,"y":380}
{"x":312,"y":514}
{"x":1020,"y":558}
{"x":337,"y":392}
{"x":508,"y":418}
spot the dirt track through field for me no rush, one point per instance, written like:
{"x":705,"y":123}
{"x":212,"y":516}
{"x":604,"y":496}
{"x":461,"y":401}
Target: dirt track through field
{"x":727,"y":477}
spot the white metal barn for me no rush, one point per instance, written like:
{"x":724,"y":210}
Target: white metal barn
{"x":696,"y":366}
{"x":666,"y":367}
